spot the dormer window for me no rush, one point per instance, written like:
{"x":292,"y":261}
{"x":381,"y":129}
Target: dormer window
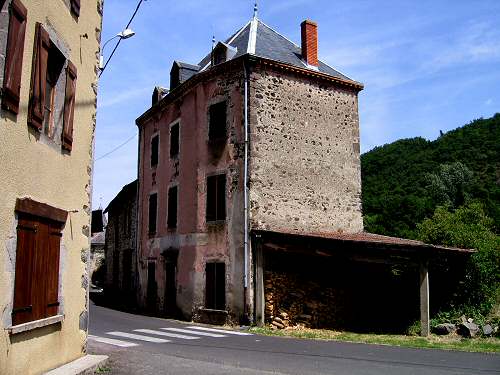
{"x":223,"y":52}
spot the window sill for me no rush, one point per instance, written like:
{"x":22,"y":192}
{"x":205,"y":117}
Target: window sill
{"x":29,"y":326}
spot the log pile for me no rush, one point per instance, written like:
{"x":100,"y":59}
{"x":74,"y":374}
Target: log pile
{"x":291,"y":300}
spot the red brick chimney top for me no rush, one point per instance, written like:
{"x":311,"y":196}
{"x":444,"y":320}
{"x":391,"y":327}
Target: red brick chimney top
{"x":309,"y":31}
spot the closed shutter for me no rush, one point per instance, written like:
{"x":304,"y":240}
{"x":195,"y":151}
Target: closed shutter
{"x":38,"y":77}
{"x":221,"y":197}
{"x":22,"y":311}
{"x":39,"y":286}
{"x":69,"y":107}
{"x":52,"y":302}
{"x":14,"y":57}
{"x":75,"y":7}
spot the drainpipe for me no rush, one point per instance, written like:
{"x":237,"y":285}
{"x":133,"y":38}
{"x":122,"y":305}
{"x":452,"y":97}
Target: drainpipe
{"x":245,"y":178}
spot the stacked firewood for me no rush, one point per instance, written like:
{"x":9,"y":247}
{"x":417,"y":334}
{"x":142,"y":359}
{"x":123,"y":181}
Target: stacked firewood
{"x":290,"y":301}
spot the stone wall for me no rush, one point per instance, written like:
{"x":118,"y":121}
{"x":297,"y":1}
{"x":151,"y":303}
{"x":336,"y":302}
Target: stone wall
{"x":121,"y":238}
{"x":305,"y":155}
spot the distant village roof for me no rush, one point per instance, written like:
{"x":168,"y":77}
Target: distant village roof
{"x":98,"y":238}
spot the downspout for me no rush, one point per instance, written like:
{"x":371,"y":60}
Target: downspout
{"x":245,"y":180}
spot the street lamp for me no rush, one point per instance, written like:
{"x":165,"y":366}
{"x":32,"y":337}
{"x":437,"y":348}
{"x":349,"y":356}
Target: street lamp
{"x":125,"y":34}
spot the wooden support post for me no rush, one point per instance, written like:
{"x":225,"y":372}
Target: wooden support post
{"x":259,"y":282}
{"x":424,"y":299}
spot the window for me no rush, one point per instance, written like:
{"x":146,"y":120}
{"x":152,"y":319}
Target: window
{"x":49,"y":110}
{"x":172,"y":207}
{"x":216,"y":198}
{"x":217,"y":122}
{"x":14,"y":57}
{"x":215,"y":289}
{"x":154,"y":150}
{"x":174,"y":140}
{"x":152,"y":213}
{"x":36,"y":286}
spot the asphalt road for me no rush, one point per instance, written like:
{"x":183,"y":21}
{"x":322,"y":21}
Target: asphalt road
{"x":145,"y":345}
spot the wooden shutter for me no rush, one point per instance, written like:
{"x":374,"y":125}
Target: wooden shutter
{"x":22,"y":311}
{"x":210,"y":286}
{"x":14,"y":57}
{"x":40,"y":266}
{"x":75,"y":7}
{"x":52,"y":272}
{"x":221,"y":197}
{"x":69,"y":107}
{"x":38,"y":77}
{"x":220,"y":286}
{"x":211,"y":212}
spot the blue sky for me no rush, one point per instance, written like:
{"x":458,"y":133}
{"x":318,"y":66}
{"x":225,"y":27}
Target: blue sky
{"x":426,"y":65}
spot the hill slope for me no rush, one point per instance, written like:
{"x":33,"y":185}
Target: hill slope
{"x":395,"y":193}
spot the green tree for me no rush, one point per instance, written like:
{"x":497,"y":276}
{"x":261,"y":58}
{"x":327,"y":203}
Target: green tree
{"x":469,"y":227}
{"x":450,"y":185}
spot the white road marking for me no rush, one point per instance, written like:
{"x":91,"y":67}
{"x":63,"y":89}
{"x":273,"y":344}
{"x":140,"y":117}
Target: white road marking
{"x":106,"y":340}
{"x":220,"y":331}
{"x":160,"y":333}
{"x":138,"y":337}
{"x":193,"y":332}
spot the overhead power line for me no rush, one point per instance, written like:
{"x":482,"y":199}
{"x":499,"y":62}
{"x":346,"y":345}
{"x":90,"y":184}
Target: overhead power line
{"x":120,"y":39}
{"x":116,"y":148}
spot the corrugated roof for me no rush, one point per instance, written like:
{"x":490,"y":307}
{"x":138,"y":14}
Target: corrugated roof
{"x":365,"y":237}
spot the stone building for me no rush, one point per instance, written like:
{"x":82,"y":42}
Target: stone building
{"x":120,"y":246}
{"x":253,"y":150}
{"x":48,"y":78}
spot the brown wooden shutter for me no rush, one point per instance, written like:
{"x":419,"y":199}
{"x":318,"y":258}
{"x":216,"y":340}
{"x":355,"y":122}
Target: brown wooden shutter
{"x":39,"y":286}
{"x":69,"y":107}
{"x":14,"y":57}
{"x":75,"y":7}
{"x":38,"y":77}
{"x":52,"y":271}
{"x":22,"y":311}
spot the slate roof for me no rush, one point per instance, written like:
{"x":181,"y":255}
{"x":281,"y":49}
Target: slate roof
{"x":271,"y":45}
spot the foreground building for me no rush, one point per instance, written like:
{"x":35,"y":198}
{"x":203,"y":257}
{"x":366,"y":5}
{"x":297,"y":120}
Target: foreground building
{"x":249,"y":184}
{"x":48,"y":74}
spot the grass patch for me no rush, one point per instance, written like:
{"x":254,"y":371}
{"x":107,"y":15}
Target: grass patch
{"x":450,"y":342}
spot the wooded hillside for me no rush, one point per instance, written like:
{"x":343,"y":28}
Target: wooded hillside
{"x":399,"y":179}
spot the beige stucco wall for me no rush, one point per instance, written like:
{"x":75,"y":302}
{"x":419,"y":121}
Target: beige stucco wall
{"x":305,"y":171}
{"x":32,"y":166}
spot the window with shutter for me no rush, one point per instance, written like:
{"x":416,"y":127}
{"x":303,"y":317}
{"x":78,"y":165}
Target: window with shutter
{"x":14,"y":57}
{"x":215,"y":286}
{"x":172,"y":208}
{"x":69,"y":107}
{"x":216,"y":198}
{"x":36,"y":286}
{"x":153,"y":203}
{"x":36,"y":110}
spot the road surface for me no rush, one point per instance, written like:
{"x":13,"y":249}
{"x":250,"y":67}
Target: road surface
{"x":145,"y":345}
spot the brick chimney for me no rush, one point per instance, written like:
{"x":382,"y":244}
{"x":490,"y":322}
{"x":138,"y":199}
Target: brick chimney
{"x":309,"y":31}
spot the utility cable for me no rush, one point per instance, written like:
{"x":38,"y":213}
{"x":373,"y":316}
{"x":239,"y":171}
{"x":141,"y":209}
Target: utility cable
{"x":116,"y":148}
{"x":120,"y":39}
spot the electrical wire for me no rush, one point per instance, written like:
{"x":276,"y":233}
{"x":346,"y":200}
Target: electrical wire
{"x":120,"y":39}
{"x":116,"y":148}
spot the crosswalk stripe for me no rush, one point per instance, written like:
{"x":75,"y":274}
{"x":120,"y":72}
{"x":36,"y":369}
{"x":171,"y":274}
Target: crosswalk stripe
{"x":193,"y":332}
{"x":115,"y":342}
{"x":160,"y":333}
{"x":138,"y":337}
{"x":220,"y":331}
